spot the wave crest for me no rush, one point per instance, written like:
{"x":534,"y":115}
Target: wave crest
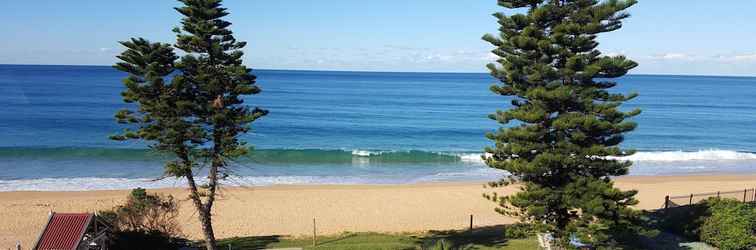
{"x":702,"y":155}
{"x":338,"y":156}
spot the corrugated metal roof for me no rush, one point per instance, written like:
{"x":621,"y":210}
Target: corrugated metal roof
{"x":64,"y":231}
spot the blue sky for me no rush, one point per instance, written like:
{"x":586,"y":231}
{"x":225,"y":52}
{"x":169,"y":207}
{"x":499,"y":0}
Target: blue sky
{"x":665,"y":37}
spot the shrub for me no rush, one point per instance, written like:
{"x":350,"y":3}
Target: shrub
{"x":146,"y":212}
{"x":519,"y":231}
{"x":731,"y":226}
{"x":146,"y":220}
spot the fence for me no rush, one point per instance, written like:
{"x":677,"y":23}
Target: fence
{"x":745,"y":195}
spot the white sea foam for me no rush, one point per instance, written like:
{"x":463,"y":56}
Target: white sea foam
{"x":647,"y":163}
{"x":658,"y":156}
{"x":365,"y":153}
{"x":679,"y":156}
{"x":482,"y":173}
{"x":82,"y":184}
{"x":472,"y":157}
{"x":98,"y":183}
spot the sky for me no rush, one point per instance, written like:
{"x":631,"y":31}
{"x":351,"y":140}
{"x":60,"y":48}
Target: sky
{"x":689,"y":37}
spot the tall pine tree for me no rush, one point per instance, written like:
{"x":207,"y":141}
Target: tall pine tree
{"x":561,"y":136}
{"x":199,"y":114}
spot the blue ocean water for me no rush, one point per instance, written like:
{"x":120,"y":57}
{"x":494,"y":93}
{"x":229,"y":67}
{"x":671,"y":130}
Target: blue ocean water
{"x":350,"y":127}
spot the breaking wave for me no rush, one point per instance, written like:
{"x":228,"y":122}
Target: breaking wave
{"x":316,"y":156}
{"x":47,"y":169}
{"x":702,"y":155}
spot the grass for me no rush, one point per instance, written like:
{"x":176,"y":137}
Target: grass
{"x":482,"y":239}
{"x":486,"y":238}
{"x":666,"y":229}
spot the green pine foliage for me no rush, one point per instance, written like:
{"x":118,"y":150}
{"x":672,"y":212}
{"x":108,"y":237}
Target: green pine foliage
{"x":560,"y":137}
{"x":731,"y":224}
{"x":191,"y":107}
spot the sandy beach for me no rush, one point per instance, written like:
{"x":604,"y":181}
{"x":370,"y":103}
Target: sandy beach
{"x":289,"y":210}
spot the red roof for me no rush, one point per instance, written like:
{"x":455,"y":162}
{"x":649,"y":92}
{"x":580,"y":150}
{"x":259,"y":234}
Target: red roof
{"x":63,"y":231}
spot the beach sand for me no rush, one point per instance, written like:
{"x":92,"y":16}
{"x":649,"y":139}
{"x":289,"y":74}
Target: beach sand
{"x":289,"y":210}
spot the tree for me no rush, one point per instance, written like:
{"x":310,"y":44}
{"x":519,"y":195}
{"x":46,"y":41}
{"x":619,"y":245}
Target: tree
{"x":560,"y":138}
{"x":199,"y":114}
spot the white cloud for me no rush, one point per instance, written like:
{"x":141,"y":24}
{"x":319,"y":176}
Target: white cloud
{"x":732,"y":57}
{"x":732,"y":63}
{"x":748,"y":57}
{"x":742,"y":57}
{"x":389,"y":57}
{"x":614,"y":53}
{"x":400,"y":57}
{"x":672,"y":56}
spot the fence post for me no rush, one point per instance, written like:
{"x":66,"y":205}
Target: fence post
{"x":745,"y":192}
{"x":717,"y":194}
{"x":666,"y":202}
{"x":691,"y":200}
{"x":314,"y":234}
{"x":471,"y":222}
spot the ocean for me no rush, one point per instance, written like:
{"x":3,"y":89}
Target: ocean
{"x":327,"y":127}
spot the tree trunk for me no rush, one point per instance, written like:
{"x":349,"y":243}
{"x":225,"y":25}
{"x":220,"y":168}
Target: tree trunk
{"x":207,"y":230}
{"x":203,"y":212}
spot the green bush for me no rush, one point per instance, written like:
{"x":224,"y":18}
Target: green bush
{"x":145,"y":212}
{"x":731,"y":226}
{"x":519,"y":231}
{"x":146,"y":221}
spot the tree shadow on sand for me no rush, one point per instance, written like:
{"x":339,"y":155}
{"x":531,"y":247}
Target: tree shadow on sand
{"x":251,"y":242}
{"x":488,"y":236}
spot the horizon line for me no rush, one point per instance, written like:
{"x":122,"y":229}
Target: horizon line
{"x":390,"y":71}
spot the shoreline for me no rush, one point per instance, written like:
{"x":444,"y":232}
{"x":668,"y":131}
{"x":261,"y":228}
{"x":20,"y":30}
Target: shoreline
{"x":289,"y":209}
{"x":238,"y":183}
{"x":103,"y":168}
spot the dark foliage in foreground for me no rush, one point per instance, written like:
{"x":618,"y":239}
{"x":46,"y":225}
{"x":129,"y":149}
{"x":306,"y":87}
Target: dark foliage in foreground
{"x":129,"y":240}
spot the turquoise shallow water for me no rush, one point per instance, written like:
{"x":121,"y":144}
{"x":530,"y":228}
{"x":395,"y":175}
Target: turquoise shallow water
{"x":350,"y":127}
